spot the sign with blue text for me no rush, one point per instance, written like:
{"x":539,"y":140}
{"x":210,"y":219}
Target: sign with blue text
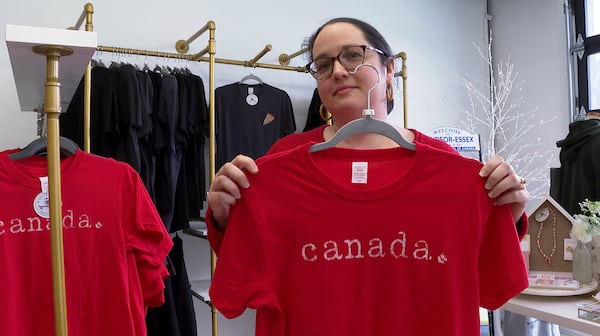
{"x":457,"y":138}
{"x":462,"y":141}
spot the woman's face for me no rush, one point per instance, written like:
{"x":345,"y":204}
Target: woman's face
{"x":345,"y":94}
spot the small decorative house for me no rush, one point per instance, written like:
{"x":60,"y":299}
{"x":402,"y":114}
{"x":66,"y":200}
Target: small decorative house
{"x":550,"y":244}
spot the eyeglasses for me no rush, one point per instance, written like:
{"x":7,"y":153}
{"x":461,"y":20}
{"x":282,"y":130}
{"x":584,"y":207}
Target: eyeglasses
{"x":350,"y":58}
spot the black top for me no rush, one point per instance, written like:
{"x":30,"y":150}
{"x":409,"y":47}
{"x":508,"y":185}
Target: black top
{"x":579,"y":165}
{"x":249,"y":119}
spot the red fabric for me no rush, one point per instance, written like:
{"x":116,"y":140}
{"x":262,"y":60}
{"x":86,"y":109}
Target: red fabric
{"x":297,"y":139}
{"x":415,"y":251}
{"x":316,"y":135}
{"x":115,"y":245}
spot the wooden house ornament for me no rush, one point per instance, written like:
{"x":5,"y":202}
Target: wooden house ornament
{"x":549,"y":225}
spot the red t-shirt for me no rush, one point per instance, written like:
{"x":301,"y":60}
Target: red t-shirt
{"x":379,"y":242}
{"x":316,"y":135}
{"x":114,"y":241}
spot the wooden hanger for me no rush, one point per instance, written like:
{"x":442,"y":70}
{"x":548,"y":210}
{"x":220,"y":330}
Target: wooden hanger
{"x":367,"y":124}
{"x":39,"y":146}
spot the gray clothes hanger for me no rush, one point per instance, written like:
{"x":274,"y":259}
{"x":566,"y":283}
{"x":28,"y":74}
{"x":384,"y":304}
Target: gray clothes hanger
{"x":39,"y":146}
{"x":250,"y":77}
{"x":367,"y":124}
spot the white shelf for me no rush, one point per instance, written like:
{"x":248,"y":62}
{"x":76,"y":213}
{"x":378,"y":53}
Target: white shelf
{"x":200,"y":289}
{"x":558,"y":310}
{"x":29,"y":68}
{"x":197,"y":229}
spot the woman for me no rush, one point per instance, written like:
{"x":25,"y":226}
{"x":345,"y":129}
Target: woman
{"x":343,"y":94}
{"x":394,"y":256}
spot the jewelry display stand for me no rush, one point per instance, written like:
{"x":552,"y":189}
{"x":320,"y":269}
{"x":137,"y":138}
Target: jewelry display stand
{"x":549,"y":226}
{"x":35,"y":54}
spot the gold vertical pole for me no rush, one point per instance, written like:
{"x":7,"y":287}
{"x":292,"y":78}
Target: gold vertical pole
{"x":52,"y":110}
{"x":404,"y":75}
{"x":87,"y":84}
{"x":212,"y":148}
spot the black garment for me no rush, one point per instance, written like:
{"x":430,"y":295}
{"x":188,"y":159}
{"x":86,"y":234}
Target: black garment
{"x":129,"y":113}
{"x":579,"y":165}
{"x":177,"y":316}
{"x":168,"y":157}
{"x":195,"y":158}
{"x":249,"y":119}
{"x":147,"y":159}
{"x":314,"y":120}
{"x":181,"y":207}
{"x":103,"y":114}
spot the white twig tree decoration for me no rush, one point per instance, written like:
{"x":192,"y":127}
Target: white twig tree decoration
{"x":494,"y":112}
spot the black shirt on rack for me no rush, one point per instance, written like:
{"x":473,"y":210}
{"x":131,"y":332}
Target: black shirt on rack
{"x":250,"y":118}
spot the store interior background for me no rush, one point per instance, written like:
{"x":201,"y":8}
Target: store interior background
{"x":438,"y":36}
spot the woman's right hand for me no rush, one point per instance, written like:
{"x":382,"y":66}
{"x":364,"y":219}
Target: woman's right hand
{"x":225,"y":188}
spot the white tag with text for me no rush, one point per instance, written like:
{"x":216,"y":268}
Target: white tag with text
{"x":360,"y":170}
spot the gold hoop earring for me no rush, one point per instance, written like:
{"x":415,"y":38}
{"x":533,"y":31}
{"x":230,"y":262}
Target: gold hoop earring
{"x":389,"y":92}
{"x":325,"y":115}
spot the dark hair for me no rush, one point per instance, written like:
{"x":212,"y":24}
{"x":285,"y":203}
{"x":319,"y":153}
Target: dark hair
{"x":372,"y":36}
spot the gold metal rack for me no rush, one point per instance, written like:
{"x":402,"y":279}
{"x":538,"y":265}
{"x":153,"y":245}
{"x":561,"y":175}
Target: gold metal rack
{"x":403,"y":73}
{"x":52,"y":111}
{"x":182,"y":47}
{"x":86,"y":14}
{"x":284,"y":59}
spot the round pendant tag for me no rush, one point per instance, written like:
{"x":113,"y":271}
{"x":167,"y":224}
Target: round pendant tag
{"x":252,"y":99}
{"x":41,"y":205}
{"x":542,"y":215}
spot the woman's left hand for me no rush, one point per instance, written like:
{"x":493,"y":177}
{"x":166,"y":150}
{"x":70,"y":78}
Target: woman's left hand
{"x":505,"y":186}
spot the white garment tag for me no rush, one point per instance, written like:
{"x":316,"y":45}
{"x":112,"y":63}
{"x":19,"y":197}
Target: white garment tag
{"x":41,"y":204}
{"x":360,"y":171}
{"x":251,"y":98}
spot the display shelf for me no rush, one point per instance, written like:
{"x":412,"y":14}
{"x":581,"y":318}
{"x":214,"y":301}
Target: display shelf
{"x":200,"y":289}
{"x":197,"y":229}
{"x":559,"y":310}
{"x":29,"y":68}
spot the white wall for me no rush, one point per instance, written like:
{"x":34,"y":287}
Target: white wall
{"x":437,"y":35}
{"x":533,"y":34}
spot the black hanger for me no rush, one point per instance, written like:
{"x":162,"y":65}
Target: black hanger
{"x":367,"y":124}
{"x":39,"y":146}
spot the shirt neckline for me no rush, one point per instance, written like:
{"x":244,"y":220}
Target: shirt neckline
{"x":28,"y":171}
{"x":407,"y":173}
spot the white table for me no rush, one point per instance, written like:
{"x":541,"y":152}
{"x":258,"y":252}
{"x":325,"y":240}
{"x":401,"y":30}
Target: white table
{"x":561,"y":310}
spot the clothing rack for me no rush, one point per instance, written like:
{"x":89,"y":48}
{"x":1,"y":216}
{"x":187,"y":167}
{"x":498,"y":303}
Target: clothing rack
{"x":88,"y":15}
{"x":182,"y":47}
{"x":52,"y":110}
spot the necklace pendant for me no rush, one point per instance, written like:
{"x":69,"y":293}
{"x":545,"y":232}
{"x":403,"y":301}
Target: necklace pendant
{"x":548,"y":260}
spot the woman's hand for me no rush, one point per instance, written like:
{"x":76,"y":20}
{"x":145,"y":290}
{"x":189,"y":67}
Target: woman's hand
{"x":505,"y":185}
{"x":225,"y":188}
